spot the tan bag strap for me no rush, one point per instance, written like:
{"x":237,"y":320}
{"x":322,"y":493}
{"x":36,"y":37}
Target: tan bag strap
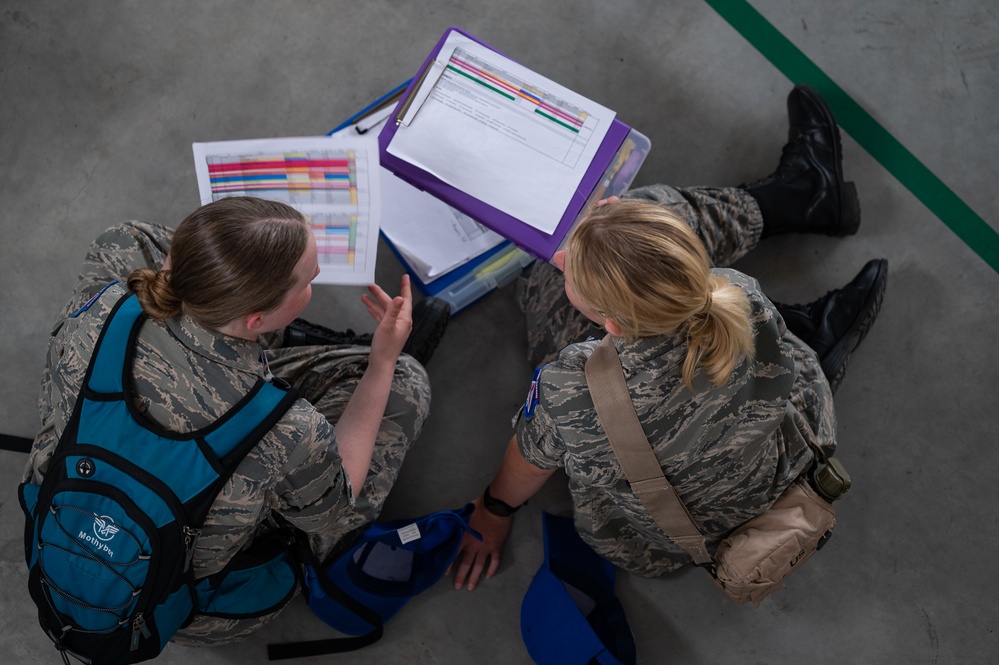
{"x":616,"y":413}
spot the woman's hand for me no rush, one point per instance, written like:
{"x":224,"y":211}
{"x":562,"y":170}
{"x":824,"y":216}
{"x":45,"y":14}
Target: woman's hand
{"x":473,"y":553}
{"x":516,"y":481}
{"x":394,"y":317}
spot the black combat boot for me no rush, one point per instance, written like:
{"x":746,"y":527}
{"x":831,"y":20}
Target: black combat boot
{"x":807,"y":193}
{"x":430,"y":319}
{"x":304,"y":333}
{"x":835,"y":324}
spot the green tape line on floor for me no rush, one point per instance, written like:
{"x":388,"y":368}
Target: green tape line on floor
{"x":874,"y":138}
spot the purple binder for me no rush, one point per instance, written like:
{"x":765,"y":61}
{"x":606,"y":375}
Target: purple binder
{"x":528,"y":238}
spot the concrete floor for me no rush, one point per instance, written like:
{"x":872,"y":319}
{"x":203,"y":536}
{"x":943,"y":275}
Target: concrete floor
{"x":99,"y":105}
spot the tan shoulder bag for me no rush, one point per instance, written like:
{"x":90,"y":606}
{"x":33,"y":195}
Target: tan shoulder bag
{"x":752,"y":562}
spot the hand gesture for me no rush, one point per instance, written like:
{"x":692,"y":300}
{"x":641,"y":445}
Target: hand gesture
{"x":394,"y":317}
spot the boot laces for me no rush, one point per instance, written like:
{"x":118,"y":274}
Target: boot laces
{"x":788,"y":154}
{"x":786,"y":168}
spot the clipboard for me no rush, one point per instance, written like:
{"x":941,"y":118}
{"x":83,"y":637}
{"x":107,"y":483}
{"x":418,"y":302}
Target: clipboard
{"x":534,"y":241}
{"x":461,"y":286}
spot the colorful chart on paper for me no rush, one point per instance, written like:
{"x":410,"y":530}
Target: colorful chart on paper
{"x":559,"y":117}
{"x":331,"y":182}
{"x":336,"y":238}
{"x":502,"y":135}
{"x":315,"y":176}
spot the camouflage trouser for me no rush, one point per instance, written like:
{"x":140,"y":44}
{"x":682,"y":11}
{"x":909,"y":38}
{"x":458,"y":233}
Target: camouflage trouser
{"x":325,"y":376}
{"x":727,"y":220}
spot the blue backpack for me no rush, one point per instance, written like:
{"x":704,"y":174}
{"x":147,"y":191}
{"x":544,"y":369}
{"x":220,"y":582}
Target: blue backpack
{"x":111,"y":530}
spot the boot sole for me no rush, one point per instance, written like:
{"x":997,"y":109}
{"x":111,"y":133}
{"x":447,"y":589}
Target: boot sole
{"x":849,"y":210}
{"x":839,"y":355}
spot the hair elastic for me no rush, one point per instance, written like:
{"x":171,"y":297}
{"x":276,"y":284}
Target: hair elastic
{"x":707,"y":304}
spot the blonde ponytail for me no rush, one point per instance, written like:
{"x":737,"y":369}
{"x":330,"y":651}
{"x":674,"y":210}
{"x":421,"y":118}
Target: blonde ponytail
{"x":720,"y":334}
{"x":640,"y":265}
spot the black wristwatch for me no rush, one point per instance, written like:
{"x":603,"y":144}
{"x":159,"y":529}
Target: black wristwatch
{"x":497,"y":507}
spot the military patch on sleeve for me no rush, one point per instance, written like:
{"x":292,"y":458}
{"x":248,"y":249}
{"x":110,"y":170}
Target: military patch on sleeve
{"x":532,"y":395}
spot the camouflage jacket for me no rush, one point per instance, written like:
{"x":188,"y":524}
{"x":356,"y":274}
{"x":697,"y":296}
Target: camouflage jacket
{"x":729,"y":451}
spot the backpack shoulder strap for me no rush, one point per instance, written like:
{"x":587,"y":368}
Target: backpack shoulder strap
{"x":211,"y":453}
{"x":234,"y":435}
{"x":616,"y":413}
{"x":108,"y":364}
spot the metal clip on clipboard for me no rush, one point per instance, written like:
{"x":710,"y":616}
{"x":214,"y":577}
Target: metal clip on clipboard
{"x":421,"y":91}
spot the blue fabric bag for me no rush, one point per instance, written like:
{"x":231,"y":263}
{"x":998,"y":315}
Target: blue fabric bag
{"x":570,"y":614}
{"x":368,"y":584}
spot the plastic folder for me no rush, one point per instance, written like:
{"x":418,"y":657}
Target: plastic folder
{"x":612,"y":151}
{"x":493,"y":269}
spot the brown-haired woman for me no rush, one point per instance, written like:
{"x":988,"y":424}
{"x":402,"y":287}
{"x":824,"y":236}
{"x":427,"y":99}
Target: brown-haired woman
{"x":233,"y":272}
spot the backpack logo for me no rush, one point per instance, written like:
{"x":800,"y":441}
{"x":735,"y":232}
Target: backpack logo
{"x":104,"y":531}
{"x":105,"y":528}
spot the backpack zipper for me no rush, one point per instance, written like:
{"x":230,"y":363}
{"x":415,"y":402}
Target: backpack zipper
{"x":138,"y":627}
{"x":191,"y":536}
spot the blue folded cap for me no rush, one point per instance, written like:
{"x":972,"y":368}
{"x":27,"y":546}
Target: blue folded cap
{"x":570,"y":615}
{"x":390,"y":563}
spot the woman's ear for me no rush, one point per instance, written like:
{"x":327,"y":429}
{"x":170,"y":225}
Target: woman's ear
{"x":254,"y":321}
{"x":611,"y":327}
{"x":245,"y":327}
{"x":558,"y":260}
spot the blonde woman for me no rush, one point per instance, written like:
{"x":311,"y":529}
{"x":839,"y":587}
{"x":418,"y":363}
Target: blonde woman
{"x":731,"y":400}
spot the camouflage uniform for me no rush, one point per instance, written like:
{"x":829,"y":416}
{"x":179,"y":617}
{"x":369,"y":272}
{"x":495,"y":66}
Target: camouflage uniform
{"x":186,"y":377}
{"x":729,"y":451}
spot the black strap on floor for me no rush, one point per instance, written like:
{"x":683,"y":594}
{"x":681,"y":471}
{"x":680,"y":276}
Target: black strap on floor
{"x":18,"y":444}
{"x":299,"y":545}
{"x":331,"y":645}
